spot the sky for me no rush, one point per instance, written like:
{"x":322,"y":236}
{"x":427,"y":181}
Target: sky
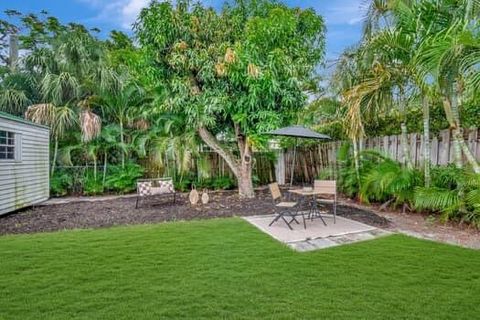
{"x":343,"y":17}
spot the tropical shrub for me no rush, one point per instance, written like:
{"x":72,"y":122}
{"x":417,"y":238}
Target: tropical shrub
{"x":123,"y":179}
{"x":454,"y":193}
{"x":93,"y":186}
{"x":61,"y":183}
{"x":389,"y":181}
{"x":223,"y":183}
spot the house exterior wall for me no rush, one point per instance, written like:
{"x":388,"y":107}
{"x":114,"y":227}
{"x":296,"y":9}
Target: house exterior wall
{"x":24,"y":180}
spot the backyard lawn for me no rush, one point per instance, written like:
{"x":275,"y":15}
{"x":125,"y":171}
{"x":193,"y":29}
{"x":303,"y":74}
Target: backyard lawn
{"x":225,"y":268}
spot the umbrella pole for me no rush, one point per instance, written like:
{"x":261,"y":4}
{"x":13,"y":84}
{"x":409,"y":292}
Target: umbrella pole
{"x":293,"y":162}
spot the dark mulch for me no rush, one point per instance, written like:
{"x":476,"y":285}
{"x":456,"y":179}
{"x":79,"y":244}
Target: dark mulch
{"x":98,"y":214}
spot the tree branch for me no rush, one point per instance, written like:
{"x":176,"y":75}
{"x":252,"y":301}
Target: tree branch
{"x":243,"y":146}
{"x":213,"y":143}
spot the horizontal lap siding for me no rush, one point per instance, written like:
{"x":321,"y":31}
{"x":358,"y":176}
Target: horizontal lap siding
{"x":26,"y":182}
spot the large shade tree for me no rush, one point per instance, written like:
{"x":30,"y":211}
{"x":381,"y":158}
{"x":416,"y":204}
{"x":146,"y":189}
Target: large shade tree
{"x":233,"y":74}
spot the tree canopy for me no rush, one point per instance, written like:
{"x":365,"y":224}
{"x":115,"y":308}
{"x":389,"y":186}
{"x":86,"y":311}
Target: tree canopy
{"x":236,"y":73}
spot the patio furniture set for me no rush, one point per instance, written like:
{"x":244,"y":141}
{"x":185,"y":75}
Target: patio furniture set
{"x":285,"y":209}
{"x":288,"y":211}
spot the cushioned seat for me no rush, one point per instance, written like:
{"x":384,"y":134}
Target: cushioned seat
{"x":286,"y":204}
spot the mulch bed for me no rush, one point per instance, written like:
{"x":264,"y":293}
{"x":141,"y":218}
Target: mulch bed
{"x":121,"y":211}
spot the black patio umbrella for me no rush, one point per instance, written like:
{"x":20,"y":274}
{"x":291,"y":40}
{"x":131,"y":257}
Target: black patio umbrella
{"x":297,"y":132}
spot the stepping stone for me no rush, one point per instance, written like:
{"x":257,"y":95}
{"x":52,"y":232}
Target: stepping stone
{"x":322,"y":243}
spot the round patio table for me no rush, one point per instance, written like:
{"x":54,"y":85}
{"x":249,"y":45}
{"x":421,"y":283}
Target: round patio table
{"x":304,"y":194}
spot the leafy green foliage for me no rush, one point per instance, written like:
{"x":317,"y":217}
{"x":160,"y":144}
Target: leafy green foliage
{"x":388,"y":180}
{"x":61,"y":183}
{"x":238,"y":72}
{"x":455,"y":193}
{"x":93,"y":186}
{"x":123,"y":179}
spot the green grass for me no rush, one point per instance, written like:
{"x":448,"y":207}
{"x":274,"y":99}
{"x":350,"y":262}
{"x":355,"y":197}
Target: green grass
{"x":228,"y":269}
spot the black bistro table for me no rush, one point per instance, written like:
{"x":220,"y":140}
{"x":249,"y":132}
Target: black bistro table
{"x":305,"y":194}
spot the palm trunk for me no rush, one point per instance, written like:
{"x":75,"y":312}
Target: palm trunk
{"x":407,"y":159}
{"x":104,"y":167}
{"x":122,"y":142}
{"x":426,"y":141}
{"x":455,"y":124}
{"x":95,"y":168}
{"x":54,"y":160}
{"x":450,"y":106}
{"x":457,"y":150}
{"x":470,"y":158}
{"x":356,"y":161}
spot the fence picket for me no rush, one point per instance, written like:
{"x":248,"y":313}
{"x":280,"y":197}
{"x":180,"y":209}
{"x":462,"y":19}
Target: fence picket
{"x":323,"y":156}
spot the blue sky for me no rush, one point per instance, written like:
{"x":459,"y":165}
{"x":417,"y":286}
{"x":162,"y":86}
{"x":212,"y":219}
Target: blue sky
{"x":343,"y":17}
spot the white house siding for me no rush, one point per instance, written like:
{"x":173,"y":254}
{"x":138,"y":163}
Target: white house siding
{"x":25,"y":180}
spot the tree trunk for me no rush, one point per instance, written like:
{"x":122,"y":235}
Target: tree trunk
{"x":459,"y":146}
{"x":426,"y":141}
{"x":245,"y":184}
{"x":13,"y":55}
{"x":407,"y":159}
{"x":54,"y":160}
{"x":95,"y":168}
{"x":466,"y":151}
{"x":241,"y":168}
{"x":122,"y":142}
{"x":451,"y":110}
{"x":104,"y":168}
{"x":356,"y":161}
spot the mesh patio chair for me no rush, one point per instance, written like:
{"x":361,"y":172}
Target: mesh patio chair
{"x":284,"y":209}
{"x":328,"y":187}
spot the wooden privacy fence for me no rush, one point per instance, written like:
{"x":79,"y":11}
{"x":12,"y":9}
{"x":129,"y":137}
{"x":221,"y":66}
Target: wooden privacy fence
{"x":312,"y":160}
{"x":263,"y":167}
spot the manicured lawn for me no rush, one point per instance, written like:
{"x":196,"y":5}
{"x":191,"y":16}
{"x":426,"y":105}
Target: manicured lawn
{"x":227,"y":269}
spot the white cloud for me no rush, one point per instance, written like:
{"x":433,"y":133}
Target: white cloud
{"x":120,"y":12}
{"x":131,"y":10}
{"x":348,"y":12}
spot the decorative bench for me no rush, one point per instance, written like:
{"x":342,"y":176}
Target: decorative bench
{"x":154,"y":187}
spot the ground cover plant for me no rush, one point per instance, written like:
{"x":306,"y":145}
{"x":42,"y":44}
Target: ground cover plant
{"x":228,"y":269}
{"x":453,"y":193}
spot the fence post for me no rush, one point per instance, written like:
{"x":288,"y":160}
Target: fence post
{"x":280,"y":167}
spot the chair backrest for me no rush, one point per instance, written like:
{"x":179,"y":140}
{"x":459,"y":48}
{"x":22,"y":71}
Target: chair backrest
{"x":153,"y":186}
{"x":275,"y":190}
{"x":165,"y":185}
{"x":144,"y":188}
{"x":325,"y":186}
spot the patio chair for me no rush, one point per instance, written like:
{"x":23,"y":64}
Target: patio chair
{"x":154,"y":187}
{"x":284,"y":208}
{"x":328,"y":187}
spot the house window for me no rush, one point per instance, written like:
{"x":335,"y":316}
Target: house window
{"x":7,"y":145}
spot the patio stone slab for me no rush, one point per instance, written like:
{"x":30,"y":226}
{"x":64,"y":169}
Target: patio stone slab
{"x":317,"y":236}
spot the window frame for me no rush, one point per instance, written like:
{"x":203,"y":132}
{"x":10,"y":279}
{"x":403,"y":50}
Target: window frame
{"x":17,"y":145}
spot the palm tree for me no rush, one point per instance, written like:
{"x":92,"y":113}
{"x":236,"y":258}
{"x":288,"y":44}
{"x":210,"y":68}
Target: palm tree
{"x":59,"y":119}
{"x":123,"y":106}
{"x":166,"y":138}
{"x":441,"y":56}
{"x":420,"y":48}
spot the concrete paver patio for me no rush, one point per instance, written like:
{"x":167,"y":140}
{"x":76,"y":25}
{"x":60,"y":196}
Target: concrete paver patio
{"x":316,"y":235}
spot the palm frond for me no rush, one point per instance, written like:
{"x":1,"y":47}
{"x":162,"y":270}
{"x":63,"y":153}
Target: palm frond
{"x":437,"y":199}
{"x":90,"y":125}
{"x":13,"y":100}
